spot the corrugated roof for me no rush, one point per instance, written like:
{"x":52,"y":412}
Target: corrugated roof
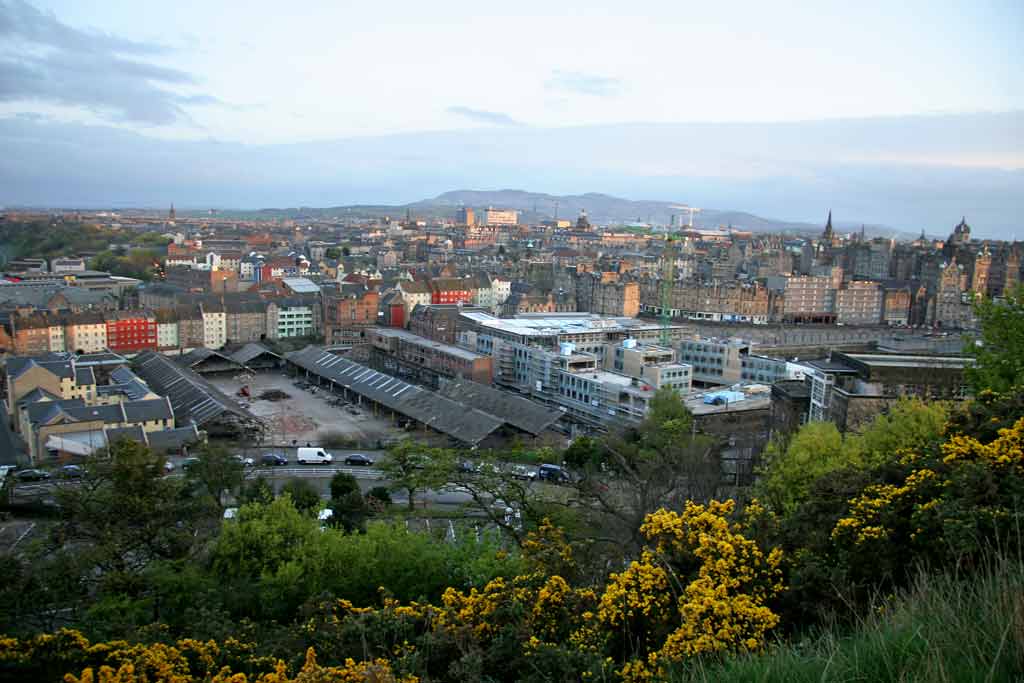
{"x":251,"y":351}
{"x":519,"y":412}
{"x":442,"y":414}
{"x":192,"y":397}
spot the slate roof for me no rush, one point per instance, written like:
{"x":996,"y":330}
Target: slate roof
{"x":459,"y":421}
{"x":251,"y":351}
{"x":36,"y":395}
{"x":193,"y":399}
{"x":148,"y":410}
{"x":56,"y":364}
{"x":84,"y":376}
{"x":168,"y":439}
{"x":135,"y":433}
{"x":200,"y":354}
{"x":124,"y":380}
{"x":521,"y":413}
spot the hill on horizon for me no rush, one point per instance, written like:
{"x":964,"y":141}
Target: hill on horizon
{"x":601,"y":209}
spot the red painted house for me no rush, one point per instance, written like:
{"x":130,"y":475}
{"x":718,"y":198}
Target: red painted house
{"x":130,"y":331}
{"x":451,"y":290}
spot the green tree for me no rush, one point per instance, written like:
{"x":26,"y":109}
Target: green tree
{"x":663,"y":462}
{"x":819,"y":449}
{"x":218,"y":471}
{"x":127,"y":514}
{"x":999,"y":350}
{"x":256,"y":490}
{"x":332,"y":253}
{"x":343,"y":484}
{"x":414,"y":467}
{"x":303,"y":495}
{"x":349,"y":509}
{"x":910,"y":423}
{"x":815,"y":449}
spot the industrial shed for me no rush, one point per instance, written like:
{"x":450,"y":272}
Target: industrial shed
{"x":257,"y":357}
{"x":193,"y":399}
{"x":456,"y":420}
{"x":208,"y":362}
{"x":521,"y":413}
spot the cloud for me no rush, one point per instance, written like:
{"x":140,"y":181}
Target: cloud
{"x":494,"y":118}
{"x":583,"y":84}
{"x":45,"y":60}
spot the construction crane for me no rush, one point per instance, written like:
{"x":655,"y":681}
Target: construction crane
{"x":668,"y":276}
{"x":689,"y":209}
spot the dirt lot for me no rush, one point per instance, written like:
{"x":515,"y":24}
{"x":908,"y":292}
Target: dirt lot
{"x":305,"y":417}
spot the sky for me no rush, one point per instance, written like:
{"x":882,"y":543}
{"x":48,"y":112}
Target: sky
{"x":263,"y":76}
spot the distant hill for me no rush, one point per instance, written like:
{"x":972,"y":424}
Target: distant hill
{"x":602,"y":209}
{"x":608,"y":210}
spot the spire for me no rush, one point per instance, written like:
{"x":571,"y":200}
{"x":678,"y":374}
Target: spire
{"x":170,"y":214}
{"x":828,"y":226}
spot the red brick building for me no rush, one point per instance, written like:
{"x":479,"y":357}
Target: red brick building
{"x":131,"y":331}
{"x":348,"y":313}
{"x":446,"y":290}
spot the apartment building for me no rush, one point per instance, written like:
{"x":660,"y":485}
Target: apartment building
{"x":714,"y":301}
{"x":215,"y":325}
{"x":809,"y":299}
{"x":404,"y":354}
{"x":131,"y":331}
{"x":653,"y":364}
{"x":859,"y":302}
{"x":85,"y":333}
{"x":348,"y":313}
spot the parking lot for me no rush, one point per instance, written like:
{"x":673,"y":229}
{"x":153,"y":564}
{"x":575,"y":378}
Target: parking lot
{"x":304,"y":416}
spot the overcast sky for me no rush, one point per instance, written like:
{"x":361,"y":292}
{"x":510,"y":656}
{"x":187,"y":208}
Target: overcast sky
{"x":260,"y":72}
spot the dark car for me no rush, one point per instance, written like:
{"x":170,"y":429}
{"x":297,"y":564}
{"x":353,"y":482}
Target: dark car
{"x":72,"y":471}
{"x":358,"y":459}
{"x":187,"y":463}
{"x":554,"y":474}
{"x":273,"y":459}
{"x":32,"y":475}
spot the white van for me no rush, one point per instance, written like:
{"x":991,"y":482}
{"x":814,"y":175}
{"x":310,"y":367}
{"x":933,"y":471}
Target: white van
{"x":313,"y":456}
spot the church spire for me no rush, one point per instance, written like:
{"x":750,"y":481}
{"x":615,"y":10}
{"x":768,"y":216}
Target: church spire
{"x":170,"y":214}
{"x":828,"y":226}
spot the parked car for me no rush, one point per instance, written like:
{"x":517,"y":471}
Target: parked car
{"x":313,"y":456}
{"x":72,"y":471}
{"x":358,"y":459}
{"x":553,"y":474}
{"x":466,"y":467}
{"x":273,"y":460}
{"x":168,"y":466}
{"x":32,"y":475}
{"x":524,"y":472}
{"x":187,"y":463}
{"x":246,"y":462}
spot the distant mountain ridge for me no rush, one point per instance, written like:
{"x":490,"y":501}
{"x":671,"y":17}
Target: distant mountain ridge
{"x":602,"y":209}
{"x":607,"y":210}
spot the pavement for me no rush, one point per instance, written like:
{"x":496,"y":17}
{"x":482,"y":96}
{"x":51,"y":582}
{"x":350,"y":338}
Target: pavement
{"x":305,"y":416}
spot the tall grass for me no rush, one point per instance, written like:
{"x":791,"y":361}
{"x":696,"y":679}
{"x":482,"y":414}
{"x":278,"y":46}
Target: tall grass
{"x":945,"y":628}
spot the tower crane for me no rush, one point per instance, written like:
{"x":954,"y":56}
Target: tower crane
{"x":668,"y":276}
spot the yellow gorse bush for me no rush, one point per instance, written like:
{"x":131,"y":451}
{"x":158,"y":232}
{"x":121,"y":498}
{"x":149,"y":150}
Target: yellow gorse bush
{"x":723,"y":606}
{"x":923,"y":486}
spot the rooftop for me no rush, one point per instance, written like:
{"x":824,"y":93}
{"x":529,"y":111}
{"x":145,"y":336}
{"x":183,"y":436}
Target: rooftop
{"x":301,"y":285}
{"x":553,"y":324}
{"x":456,"y":351}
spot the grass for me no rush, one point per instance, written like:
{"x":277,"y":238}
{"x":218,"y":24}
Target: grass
{"x":944,"y":629}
